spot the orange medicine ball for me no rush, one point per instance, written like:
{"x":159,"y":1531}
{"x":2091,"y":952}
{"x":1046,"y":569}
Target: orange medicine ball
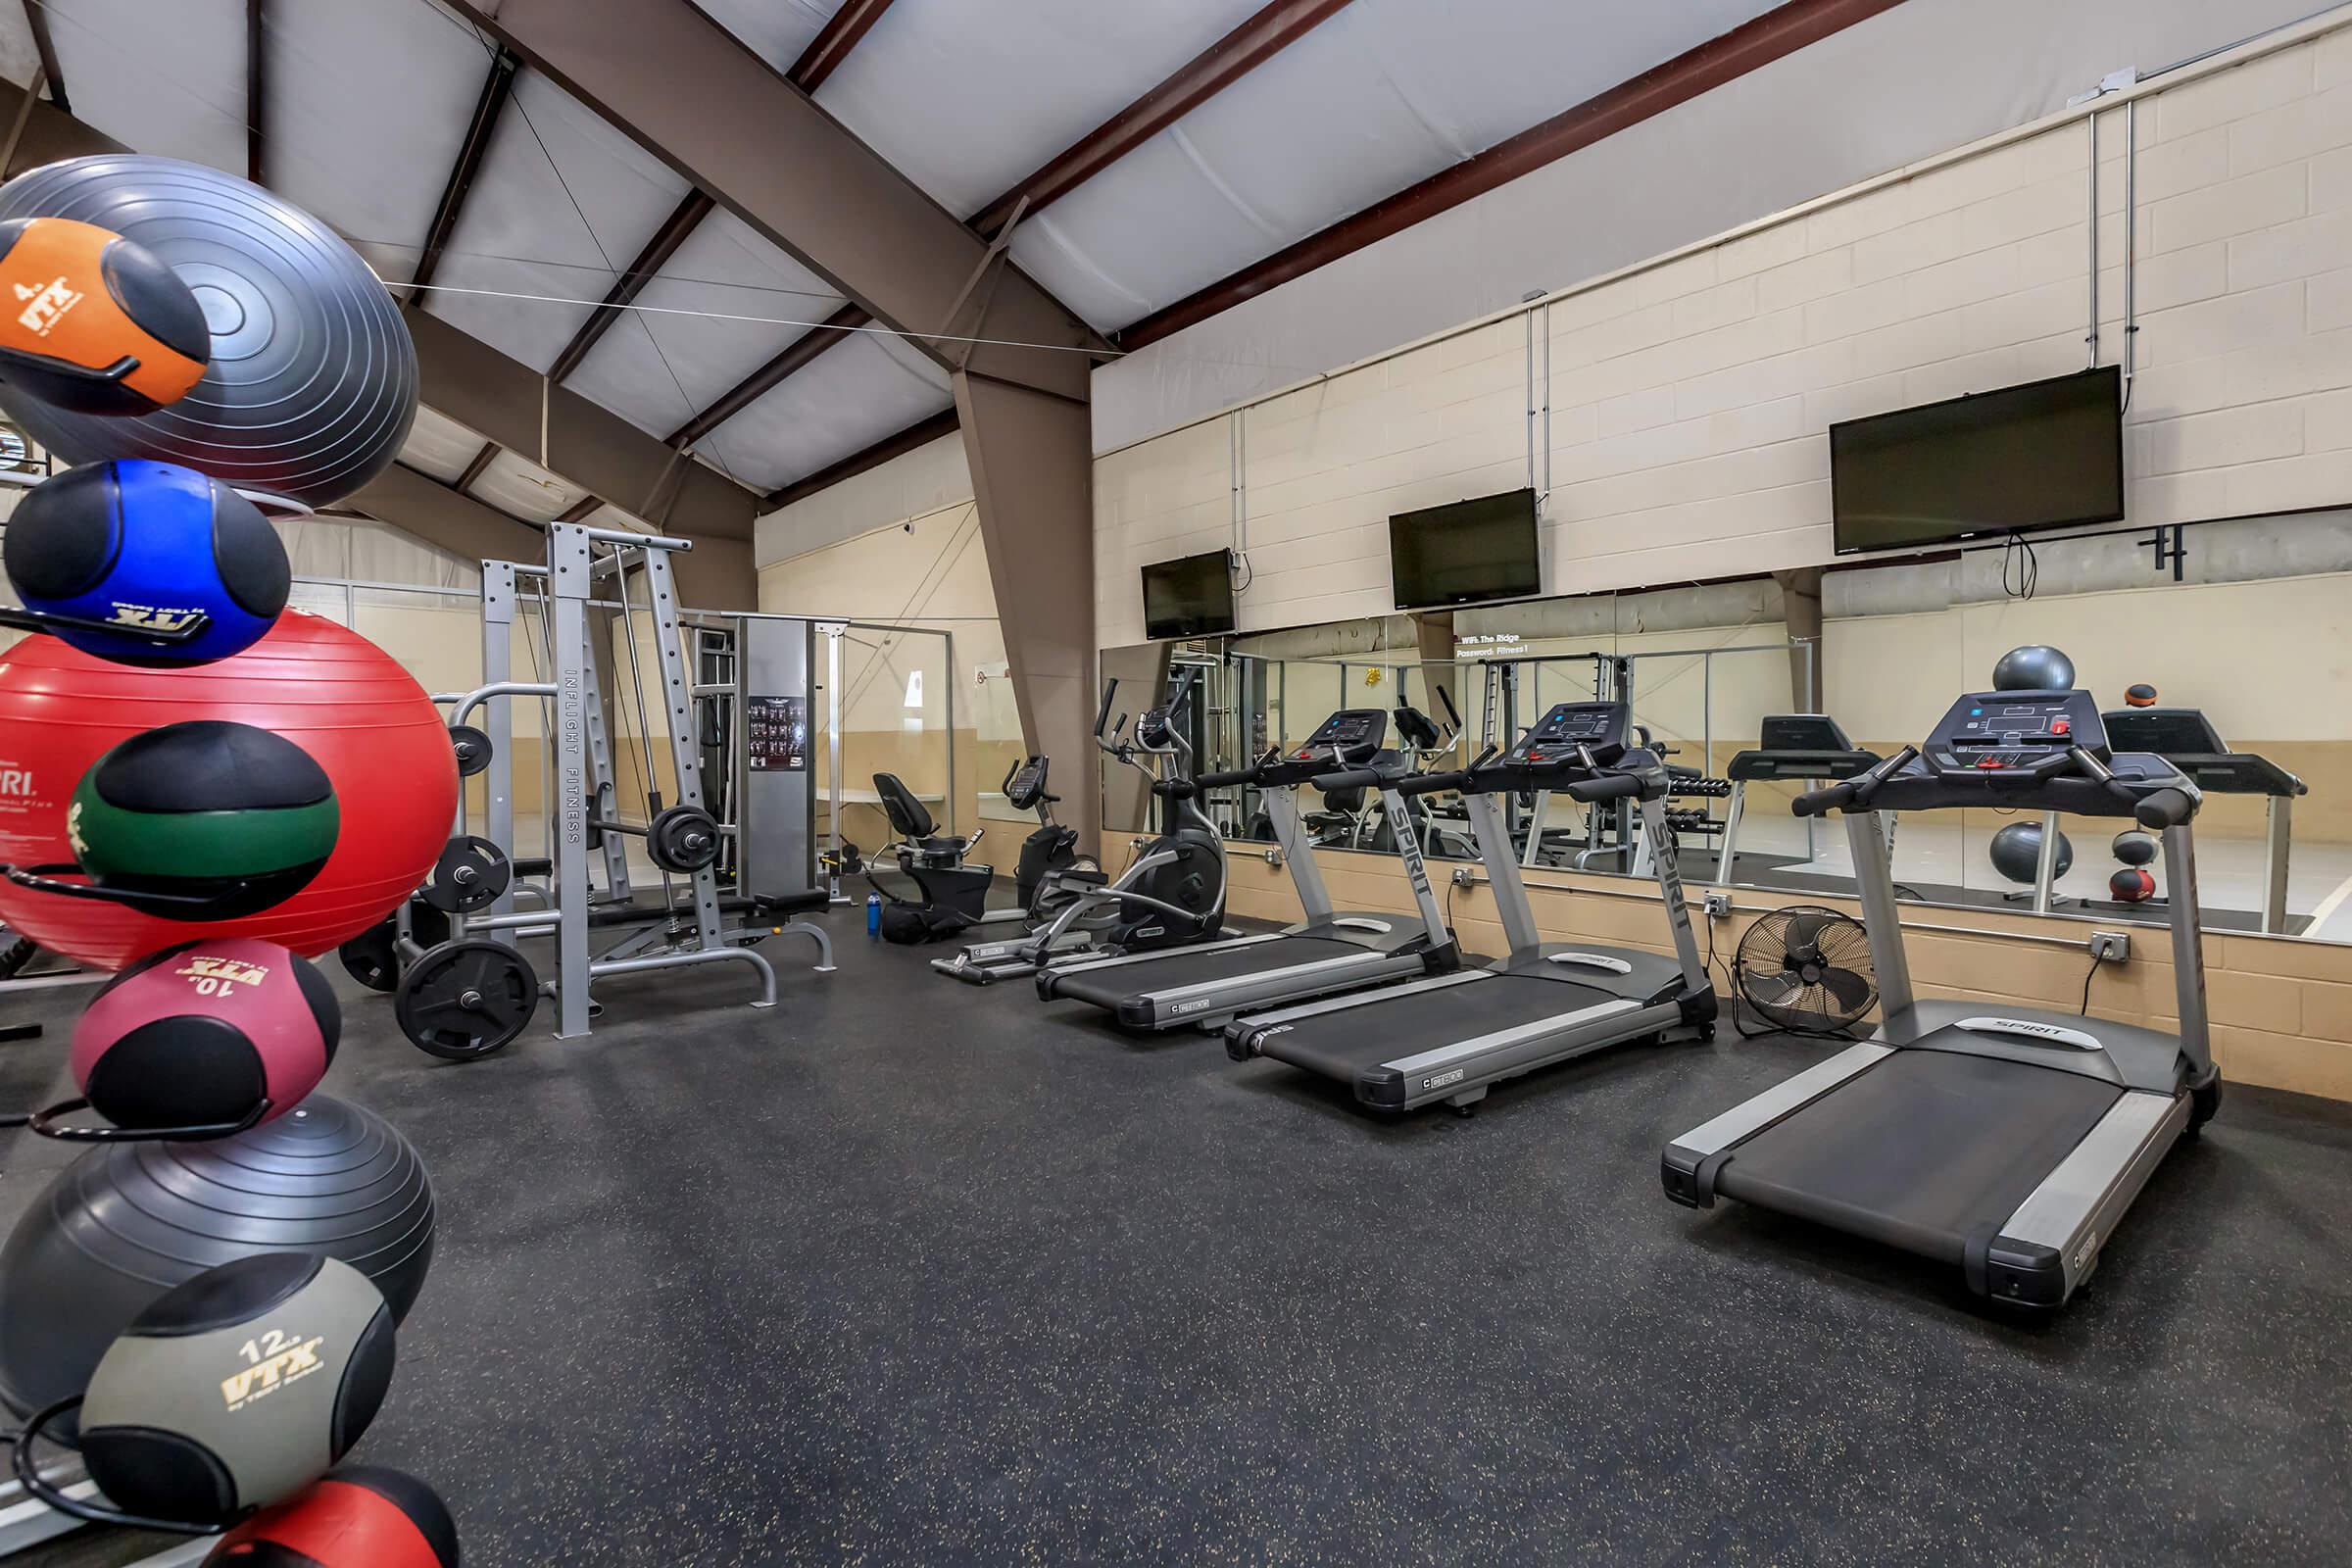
{"x":92,"y":323}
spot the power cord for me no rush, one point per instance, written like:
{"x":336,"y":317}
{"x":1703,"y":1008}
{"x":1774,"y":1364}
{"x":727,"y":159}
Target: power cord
{"x":2020,"y":568}
{"x":2083,"y":1011}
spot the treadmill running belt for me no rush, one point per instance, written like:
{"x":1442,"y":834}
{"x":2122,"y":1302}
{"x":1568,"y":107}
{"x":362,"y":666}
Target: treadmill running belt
{"x":1112,"y":984}
{"x":1344,"y":1043}
{"x":1921,"y":1150}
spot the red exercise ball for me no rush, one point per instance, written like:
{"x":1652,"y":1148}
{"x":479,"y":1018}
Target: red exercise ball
{"x":384,"y":744}
{"x":202,"y":1034}
{"x":2132,"y":885}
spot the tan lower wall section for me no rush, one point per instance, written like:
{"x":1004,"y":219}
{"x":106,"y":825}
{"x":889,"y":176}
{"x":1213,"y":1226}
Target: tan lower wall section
{"x":2281,"y":1010}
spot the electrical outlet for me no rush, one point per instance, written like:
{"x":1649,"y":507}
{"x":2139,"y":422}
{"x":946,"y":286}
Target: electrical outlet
{"x":1464,"y":878}
{"x":2111,"y":947}
{"x":1718,"y":905}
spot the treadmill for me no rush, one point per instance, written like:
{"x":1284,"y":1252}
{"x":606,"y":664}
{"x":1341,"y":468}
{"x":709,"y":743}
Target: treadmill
{"x":1450,"y":1037}
{"x":1807,"y":747}
{"x":1209,"y":982}
{"x":2006,"y":1141}
{"x":2185,"y":738}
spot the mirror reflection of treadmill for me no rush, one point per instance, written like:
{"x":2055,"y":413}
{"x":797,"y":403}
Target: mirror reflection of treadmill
{"x":2185,"y":738}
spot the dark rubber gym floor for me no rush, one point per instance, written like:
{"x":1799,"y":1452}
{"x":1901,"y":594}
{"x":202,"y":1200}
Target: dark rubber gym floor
{"x":905,"y":1272}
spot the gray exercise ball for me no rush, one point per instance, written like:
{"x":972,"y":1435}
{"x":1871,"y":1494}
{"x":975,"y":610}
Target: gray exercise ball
{"x":2034,"y":667}
{"x":313,"y":381}
{"x":2134,"y":848}
{"x":127,"y":1222}
{"x":2016,"y":852}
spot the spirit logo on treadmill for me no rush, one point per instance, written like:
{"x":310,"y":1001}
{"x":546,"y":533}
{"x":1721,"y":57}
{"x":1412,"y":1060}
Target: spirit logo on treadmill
{"x":1444,"y":1078}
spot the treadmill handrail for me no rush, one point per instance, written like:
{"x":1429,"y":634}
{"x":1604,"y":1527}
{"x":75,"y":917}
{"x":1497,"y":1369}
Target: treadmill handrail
{"x":1854,"y":793}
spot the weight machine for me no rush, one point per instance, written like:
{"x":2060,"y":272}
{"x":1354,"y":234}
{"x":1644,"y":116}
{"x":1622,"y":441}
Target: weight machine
{"x":739,"y":834}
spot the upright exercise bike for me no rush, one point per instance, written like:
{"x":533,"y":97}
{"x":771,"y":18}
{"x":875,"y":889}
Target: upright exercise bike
{"x":1171,"y":893}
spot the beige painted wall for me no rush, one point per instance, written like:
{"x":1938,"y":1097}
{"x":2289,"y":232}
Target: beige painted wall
{"x":1690,"y":400}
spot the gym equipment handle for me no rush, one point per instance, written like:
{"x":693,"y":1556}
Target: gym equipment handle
{"x":1607,"y":787}
{"x":1852,"y":791}
{"x":1433,"y":783}
{"x":2167,"y":807}
{"x":1226,"y":780}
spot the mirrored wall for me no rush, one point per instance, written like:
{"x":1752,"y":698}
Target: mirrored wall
{"x":2226,"y":646}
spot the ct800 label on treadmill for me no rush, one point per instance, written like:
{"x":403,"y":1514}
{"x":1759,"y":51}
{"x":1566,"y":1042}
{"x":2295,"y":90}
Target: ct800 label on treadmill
{"x":1444,"y":1078}
{"x":1203,"y":1005}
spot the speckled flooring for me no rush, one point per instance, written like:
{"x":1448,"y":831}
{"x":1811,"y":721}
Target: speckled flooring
{"x":910,"y":1273}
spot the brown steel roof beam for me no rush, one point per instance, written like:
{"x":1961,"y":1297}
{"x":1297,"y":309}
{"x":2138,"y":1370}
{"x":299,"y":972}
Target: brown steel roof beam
{"x":921,"y":433}
{"x":794,"y":356}
{"x":37,"y":18}
{"x":497,"y":87}
{"x":1222,"y":63}
{"x":825,"y":52}
{"x":473,"y":470}
{"x":833,"y":43}
{"x":629,"y":284}
{"x":1755,"y":43}
{"x":256,"y":95}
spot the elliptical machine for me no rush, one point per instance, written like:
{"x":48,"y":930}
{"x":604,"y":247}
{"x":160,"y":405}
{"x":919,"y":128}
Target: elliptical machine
{"x":1171,"y":893}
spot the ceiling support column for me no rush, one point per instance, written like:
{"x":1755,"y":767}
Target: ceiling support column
{"x":1801,"y":608}
{"x":1032,"y":461}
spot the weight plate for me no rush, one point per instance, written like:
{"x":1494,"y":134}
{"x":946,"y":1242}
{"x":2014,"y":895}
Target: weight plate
{"x":470,"y":874}
{"x":372,"y":960}
{"x":370,"y":957}
{"x":464,"y":999}
{"x":473,"y":747}
{"x":682,"y":839}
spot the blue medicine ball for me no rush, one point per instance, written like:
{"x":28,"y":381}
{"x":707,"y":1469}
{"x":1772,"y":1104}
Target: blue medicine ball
{"x":147,"y":547}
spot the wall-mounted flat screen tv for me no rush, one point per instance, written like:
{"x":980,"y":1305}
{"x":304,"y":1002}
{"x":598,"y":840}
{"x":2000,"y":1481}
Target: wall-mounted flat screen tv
{"x":1466,"y":552}
{"x":1188,"y":597}
{"x":2044,"y":455}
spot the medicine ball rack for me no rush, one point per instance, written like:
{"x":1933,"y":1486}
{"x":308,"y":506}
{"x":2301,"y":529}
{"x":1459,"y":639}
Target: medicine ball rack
{"x":475,"y":990}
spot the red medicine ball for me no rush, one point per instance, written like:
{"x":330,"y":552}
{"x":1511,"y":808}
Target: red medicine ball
{"x":2132,"y":885}
{"x":198,"y":1034}
{"x":360,"y":1516}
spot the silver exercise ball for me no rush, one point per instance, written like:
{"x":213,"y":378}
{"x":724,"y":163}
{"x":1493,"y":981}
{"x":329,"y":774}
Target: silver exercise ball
{"x":2034,"y":667}
{"x":2016,"y":852}
{"x":313,"y":381}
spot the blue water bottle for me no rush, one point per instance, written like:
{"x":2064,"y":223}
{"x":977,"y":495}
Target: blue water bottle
{"x":874,"y":915}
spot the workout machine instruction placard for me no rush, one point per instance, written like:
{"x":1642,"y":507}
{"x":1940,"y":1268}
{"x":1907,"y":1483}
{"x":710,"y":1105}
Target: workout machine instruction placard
{"x":779,"y":734}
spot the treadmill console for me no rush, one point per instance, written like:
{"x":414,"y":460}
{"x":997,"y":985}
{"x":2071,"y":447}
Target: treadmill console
{"x":2166,"y":731}
{"x":1802,"y":732}
{"x":1348,"y":738}
{"x":2015,"y":735}
{"x":1603,"y":728}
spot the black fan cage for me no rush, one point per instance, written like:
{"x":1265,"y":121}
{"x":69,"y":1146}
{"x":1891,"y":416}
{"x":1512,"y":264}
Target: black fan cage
{"x":1807,"y":968}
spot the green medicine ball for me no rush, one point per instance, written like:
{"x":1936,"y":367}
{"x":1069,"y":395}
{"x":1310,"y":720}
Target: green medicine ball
{"x":229,"y":818}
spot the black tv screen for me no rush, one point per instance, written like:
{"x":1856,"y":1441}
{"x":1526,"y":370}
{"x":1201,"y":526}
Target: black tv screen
{"x":2039,"y":456}
{"x":1466,"y":552}
{"x":1188,"y":596}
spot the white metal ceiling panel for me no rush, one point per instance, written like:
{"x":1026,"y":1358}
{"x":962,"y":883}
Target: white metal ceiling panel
{"x":551,"y":160}
{"x":368,"y":106}
{"x":168,"y":80}
{"x":440,"y":445}
{"x":1385,"y":94}
{"x":966,"y":96}
{"x":20,"y":57}
{"x":656,"y":370}
{"x":776,"y":30}
{"x":870,"y":387}
{"x":516,"y":484}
